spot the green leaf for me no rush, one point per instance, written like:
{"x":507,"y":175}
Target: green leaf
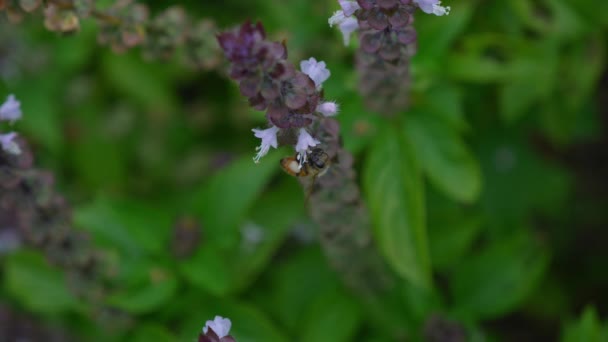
{"x":209,"y":269}
{"x":153,"y":332}
{"x":494,"y":281}
{"x":471,"y":67}
{"x":395,"y":194}
{"x":147,"y":83}
{"x":436,"y":34}
{"x":273,"y":215}
{"x":451,"y":238}
{"x":149,"y":297}
{"x":292,"y":282}
{"x":588,"y":328}
{"x":133,"y":226}
{"x":224,"y":200}
{"x":444,"y":101}
{"x":445,"y":158}
{"x":36,"y":285}
{"x":332,"y":316}
{"x":517,"y":182}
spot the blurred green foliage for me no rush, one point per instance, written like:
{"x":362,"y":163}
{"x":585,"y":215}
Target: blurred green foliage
{"x":480,"y":196}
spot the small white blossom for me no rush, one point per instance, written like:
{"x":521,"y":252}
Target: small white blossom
{"x":349,"y":7}
{"x":317,"y":71}
{"x":305,"y":141}
{"x":219,"y":325}
{"x":433,"y":7}
{"x":328,"y":108}
{"x":346,"y":24}
{"x":10,"y":109}
{"x":269,"y":139}
{"x":8,"y":143}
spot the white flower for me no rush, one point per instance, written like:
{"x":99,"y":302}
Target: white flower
{"x":329,"y":108}
{"x":269,"y":138}
{"x":317,"y":71}
{"x":10,"y":109}
{"x":349,"y":7}
{"x":219,"y":325}
{"x":305,"y":141}
{"x":8,"y":143}
{"x":346,"y":24}
{"x":433,"y":7}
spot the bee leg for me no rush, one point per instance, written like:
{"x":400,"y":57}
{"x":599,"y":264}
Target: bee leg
{"x":310,"y":188}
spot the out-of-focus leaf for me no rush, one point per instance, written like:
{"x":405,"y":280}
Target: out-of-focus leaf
{"x":332,"y":316}
{"x":517,"y":181}
{"x":450,"y":239}
{"x":222,"y":202}
{"x":153,"y":332}
{"x":41,"y":111}
{"x":293,"y":282}
{"x":587,"y":328}
{"x":436,"y":34}
{"x":592,"y":11}
{"x":271,"y":218}
{"x":565,"y":22}
{"x":36,"y":285}
{"x":533,"y":75}
{"x":395,"y":194}
{"x":226,"y":270}
{"x":449,"y":164}
{"x":145,"y":82}
{"x":475,"y":68}
{"x":444,"y":101}
{"x":209,"y":269}
{"x":148,"y":297}
{"x":101,"y":163}
{"x":133,"y":226}
{"x":494,"y":281}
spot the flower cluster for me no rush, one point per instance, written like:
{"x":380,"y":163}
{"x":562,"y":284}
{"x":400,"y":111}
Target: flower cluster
{"x":216,"y":331}
{"x":127,"y":24}
{"x":10,"y":111}
{"x":34,"y":215}
{"x":335,"y":200}
{"x":387,"y":42}
{"x":291,"y":98}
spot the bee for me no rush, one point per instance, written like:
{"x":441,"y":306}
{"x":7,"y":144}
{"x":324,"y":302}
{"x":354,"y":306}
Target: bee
{"x":315,"y":164}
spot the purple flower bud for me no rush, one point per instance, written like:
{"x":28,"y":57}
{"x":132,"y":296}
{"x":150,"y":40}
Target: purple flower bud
{"x":10,"y":109}
{"x":328,"y":108}
{"x":8,"y":143}
{"x":238,"y":45}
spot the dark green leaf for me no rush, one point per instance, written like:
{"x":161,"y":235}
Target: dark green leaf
{"x":132,"y":226}
{"x":36,"y":285}
{"x":332,"y":316}
{"x":445,"y":158}
{"x":223,"y":201}
{"x":587,"y":328}
{"x":494,"y":281}
{"x":157,"y":291}
{"x":395,"y":195}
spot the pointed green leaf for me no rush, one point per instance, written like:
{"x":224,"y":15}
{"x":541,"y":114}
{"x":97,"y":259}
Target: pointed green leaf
{"x":445,"y":158}
{"x":395,"y":196}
